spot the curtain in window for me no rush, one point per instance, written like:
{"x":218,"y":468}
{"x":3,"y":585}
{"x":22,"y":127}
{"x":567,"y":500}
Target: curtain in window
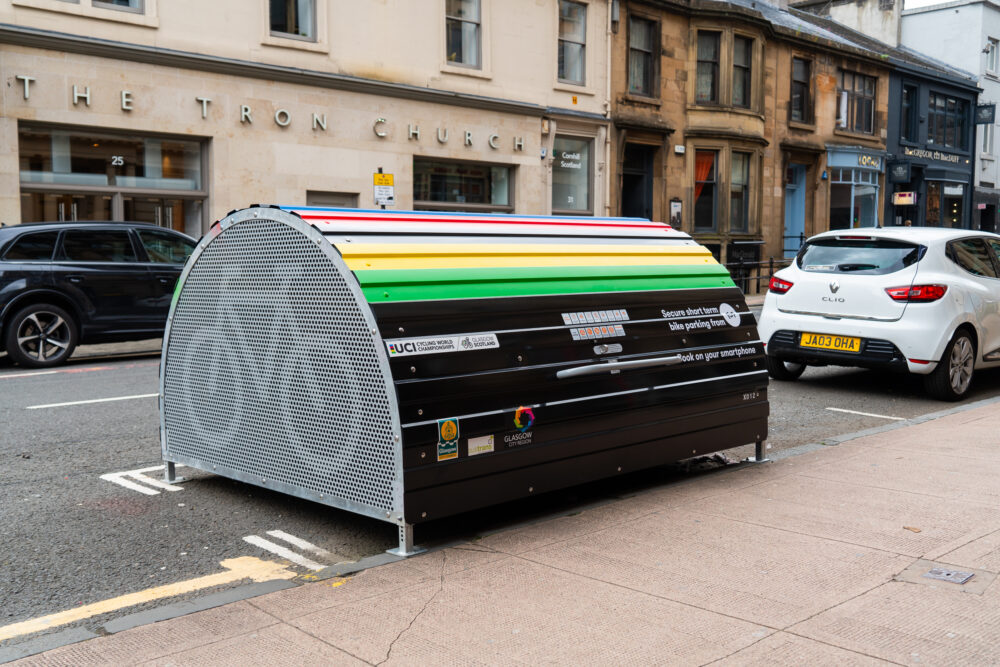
{"x":704,"y":161}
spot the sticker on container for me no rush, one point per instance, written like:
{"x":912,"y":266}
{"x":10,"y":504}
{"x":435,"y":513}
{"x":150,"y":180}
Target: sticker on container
{"x":524,"y":418}
{"x":447,"y":439}
{"x":729,"y":313}
{"x":481,"y":445}
{"x":404,"y":347}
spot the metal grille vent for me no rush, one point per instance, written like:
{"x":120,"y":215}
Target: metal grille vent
{"x":271,"y":371}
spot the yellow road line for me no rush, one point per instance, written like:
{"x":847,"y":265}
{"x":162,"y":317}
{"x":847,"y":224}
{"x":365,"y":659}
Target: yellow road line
{"x":245,"y":567}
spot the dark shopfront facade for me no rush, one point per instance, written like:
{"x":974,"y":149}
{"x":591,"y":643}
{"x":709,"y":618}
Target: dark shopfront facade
{"x":931,"y":138}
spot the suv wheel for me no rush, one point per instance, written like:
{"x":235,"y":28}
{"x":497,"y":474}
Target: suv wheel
{"x":40,"y":335}
{"x":951,"y":380}
{"x":783,"y":370}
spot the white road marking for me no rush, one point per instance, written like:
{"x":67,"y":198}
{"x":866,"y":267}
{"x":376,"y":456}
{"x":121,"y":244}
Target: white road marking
{"x":137,"y":475}
{"x":866,"y":414}
{"x":283,"y":552}
{"x":299,"y":542}
{"x":26,"y":375}
{"x":93,"y":400}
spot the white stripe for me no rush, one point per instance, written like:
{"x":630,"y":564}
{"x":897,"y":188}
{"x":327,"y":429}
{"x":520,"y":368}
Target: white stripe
{"x":866,"y":414}
{"x":590,"y":398}
{"x":27,"y":375}
{"x":299,"y":542}
{"x":94,"y":400}
{"x":135,"y":474}
{"x":116,"y":478}
{"x":715,"y":379}
{"x":281,"y":551}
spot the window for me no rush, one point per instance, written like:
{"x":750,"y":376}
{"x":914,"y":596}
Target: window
{"x":856,"y":111}
{"x":32,"y":247}
{"x":801,"y":107}
{"x":572,"y":42}
{"x":704,"y":190}
{"x":68,"y":174}
{"x":98,"y":246}
{"x":947,"y":119}
{"x":739,"y":193}
{"x":294,"y":18}
{"x":742,"y":59}
{"x":707,"y":84}
{"x":992,"y":58}
{"x":973,"y":256}
{"x":988,"y":134}
{"x":463,"y":28}
{"x":164,"y":248}
{"x":908,"y":114}
{"x":469,"y":186}
{"x":124,"y":5}
{"x":853,"y":198}
{"x":643,"y":37}
{"x":571,"y":175}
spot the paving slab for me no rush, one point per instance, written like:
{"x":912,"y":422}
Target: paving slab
{"x":912,"y":624}
{"x":730,"y":567}
{"x":787,"y":650}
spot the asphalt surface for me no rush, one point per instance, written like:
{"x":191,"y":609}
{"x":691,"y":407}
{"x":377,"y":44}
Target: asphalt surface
{"x":72,"y":537}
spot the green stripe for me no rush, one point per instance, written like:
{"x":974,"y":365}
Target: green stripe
{"x":435,"y":284}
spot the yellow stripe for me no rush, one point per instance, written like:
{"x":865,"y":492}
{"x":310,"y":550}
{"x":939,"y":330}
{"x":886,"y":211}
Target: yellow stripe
{"x":378,"y":256}
{"x":245,"y":567}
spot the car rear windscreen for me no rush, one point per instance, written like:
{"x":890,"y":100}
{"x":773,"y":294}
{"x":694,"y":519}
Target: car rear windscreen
{"x":865,"y":256}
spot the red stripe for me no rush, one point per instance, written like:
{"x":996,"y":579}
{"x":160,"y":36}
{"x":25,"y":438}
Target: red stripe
{"x":483,"y":222}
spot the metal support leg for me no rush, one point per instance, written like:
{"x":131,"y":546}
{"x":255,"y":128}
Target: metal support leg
{"x":759,"y":456}
{"x":406,"y":548}
{"x":170,"y":472}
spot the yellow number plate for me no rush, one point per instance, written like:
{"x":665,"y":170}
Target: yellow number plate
{"x":827,"y":342}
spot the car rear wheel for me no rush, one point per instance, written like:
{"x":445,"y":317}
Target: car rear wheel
{"x":951,"y":380}
{"x":784,"y":370}
{"x":40,"y":335}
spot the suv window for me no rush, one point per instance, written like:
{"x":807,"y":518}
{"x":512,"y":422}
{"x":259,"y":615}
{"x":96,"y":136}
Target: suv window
{"x":868,"y":256}
{"x":165,"y":248}
{"x":973,"y":256}
{"x":98,"y":245}
{"x":32,"y":247}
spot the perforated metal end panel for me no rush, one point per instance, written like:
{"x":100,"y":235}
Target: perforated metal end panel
{"x":273,"y":372}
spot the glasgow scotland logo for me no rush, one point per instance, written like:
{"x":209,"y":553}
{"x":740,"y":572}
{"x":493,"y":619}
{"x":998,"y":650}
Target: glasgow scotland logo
{"x":524,"y":418}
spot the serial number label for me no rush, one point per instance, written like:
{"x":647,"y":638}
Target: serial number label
{"x":751,"y":395}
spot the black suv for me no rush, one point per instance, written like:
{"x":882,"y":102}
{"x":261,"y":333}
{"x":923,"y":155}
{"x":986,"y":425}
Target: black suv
{"x":67,"y":283}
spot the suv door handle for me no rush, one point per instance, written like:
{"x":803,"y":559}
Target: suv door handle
{"x":166,"y":280}
{"x":75,"y":279}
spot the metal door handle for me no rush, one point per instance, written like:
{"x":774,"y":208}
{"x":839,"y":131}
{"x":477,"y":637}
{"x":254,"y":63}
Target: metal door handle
{"x":617,"y":366}
{"x":75,"y":279}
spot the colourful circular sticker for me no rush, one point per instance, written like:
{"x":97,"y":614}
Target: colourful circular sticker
{"x":449,"y":430}
{"x":524,"y":418}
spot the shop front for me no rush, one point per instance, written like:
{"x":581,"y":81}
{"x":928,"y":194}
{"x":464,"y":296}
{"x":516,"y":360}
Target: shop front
{"x":854,"y":175}
{"x":929,"y":189}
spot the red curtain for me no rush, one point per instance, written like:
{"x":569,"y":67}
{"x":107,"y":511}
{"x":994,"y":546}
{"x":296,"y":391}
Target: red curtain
{"x":703,"y":163}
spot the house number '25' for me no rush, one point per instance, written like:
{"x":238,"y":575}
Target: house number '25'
{"x":117,"y":160}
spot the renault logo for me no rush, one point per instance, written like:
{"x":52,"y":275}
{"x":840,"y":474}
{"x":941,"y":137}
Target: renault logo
{"x":834,"y":286}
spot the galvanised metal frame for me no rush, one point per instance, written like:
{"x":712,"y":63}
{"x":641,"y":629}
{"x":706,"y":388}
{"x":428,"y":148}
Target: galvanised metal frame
{"x":188,"y":411}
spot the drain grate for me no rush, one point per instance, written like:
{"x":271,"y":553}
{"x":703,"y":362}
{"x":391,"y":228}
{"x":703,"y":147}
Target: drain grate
{"x":954,"y":576}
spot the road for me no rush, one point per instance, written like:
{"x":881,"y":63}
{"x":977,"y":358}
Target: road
{"x":81,"y":526}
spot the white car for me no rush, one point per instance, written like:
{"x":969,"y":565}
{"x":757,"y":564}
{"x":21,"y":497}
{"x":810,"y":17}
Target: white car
{"x":919,"y":300}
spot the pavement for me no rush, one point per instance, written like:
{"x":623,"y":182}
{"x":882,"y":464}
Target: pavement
{"x":819,"y":557}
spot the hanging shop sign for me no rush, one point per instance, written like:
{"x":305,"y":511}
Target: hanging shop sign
{"x":904,"y":198}
{"x":899,"y":172}
{"x":986,"y":114}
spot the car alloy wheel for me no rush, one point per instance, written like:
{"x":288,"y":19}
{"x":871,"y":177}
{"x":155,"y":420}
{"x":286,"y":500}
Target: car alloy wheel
{"x":41,"y":335}
{"x":960,"y":363}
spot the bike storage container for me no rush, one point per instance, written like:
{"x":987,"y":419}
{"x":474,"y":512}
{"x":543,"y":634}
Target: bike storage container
{"x":412,"y":366}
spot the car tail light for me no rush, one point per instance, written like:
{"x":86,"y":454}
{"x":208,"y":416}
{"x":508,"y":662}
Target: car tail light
{"x":917,"y":293}
{"x":779,"y":286}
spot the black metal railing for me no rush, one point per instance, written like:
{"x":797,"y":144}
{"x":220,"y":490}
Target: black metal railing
{"x":753,"y":277}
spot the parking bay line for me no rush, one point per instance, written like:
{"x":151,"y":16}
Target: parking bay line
{"x":283,"y":552}
{"x":245,"y":567}
{"x":867,"y":414}
{"x":93,"y":400}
